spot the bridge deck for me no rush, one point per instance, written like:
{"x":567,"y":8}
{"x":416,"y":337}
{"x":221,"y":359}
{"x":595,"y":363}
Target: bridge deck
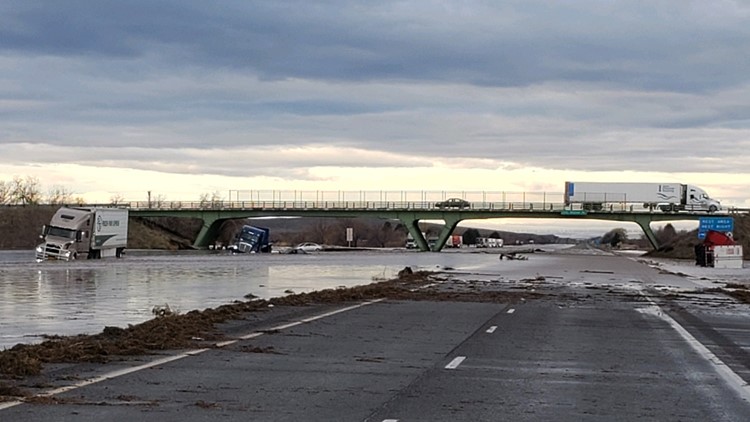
{"x":214,"y":213}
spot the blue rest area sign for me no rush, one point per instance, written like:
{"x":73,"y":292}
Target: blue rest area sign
{"x":719,"y":224}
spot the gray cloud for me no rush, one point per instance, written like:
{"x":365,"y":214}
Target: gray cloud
{"x":594,"y":85}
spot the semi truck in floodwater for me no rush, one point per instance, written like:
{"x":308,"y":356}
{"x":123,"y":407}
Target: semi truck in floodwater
{"x":251,"y":239}
{"x":93,"y":233}
{"x":667,"y":197}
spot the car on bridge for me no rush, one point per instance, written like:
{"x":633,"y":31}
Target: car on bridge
{"x":453,"y":203}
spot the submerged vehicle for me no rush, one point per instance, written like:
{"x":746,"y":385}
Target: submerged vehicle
{"x":92,"y":233}
{"x":251,"y":239}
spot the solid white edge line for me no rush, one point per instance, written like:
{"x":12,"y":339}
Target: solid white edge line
{"x":121,"y":372}
{"x":126,"y":371}
{"x":9,"y":404}
{"x":732,"y":379}
{"x":251,"y":335}
{"x":338,"y":311}
{"x":491,"y":329}
{"x":455,"y":362}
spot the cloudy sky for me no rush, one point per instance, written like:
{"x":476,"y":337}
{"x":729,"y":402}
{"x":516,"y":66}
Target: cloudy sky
{"x":187,"y":97}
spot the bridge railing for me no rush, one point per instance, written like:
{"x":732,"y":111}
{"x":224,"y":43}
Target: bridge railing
{"x":366,"y":206}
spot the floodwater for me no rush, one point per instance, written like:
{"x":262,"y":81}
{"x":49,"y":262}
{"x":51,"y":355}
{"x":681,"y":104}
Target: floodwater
{"x":82,"y":297}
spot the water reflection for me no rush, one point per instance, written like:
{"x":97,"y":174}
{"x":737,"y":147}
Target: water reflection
{"x":85,"y":296}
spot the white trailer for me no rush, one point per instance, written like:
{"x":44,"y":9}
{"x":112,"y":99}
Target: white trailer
{"x":489,"y":242}
{"x":93,"y":233}
{"x":668,"y":197}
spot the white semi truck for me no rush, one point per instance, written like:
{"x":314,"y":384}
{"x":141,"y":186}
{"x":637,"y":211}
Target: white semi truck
{"x":668,"y":197}
{"x":75,"y":233}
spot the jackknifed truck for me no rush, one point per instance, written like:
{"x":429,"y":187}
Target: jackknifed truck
{"x":667,"y":197}
{"x":93,"y":233}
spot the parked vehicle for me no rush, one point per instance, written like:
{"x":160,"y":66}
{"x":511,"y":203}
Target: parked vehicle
{"x":308,"y":247}
{"x":93,"y":233}
{"x":251,"y":239}
{"x":454,"y":241}
{"x":453,"y":203}
{"x":718,"y":250}
{"x":411,"y":243}
{"x":489,"y":242}
{"x":668,"y":197}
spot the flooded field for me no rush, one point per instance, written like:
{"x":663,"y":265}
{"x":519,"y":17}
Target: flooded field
{"x":64,"y":298}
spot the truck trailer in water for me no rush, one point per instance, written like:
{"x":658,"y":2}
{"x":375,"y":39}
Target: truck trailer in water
{"x":93,"y":233}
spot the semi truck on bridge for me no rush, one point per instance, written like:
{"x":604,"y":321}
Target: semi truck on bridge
{"x":667,"y":197}
{"x":92,"y":233}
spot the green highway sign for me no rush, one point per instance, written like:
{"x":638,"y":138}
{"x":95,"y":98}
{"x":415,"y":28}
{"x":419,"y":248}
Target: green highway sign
{"x":573,"y":212}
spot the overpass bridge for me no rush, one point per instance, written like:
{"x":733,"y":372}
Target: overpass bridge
{"x":410,"y":213}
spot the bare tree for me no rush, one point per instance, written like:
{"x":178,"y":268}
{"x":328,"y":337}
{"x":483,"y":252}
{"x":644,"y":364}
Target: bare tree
{"x":204,"y":200}
{"x":210,"y":200}
{"x":5,"y":193}
{"x":116,"y":199}
{"x":615,"y":237}
{"x":58,"y":195}
{"x":216,"y":200}
{"x":25,"y":191}
{"x":158,"y":201}
{"x":385,"y":235}
{"x":360,"y":232}
{"x":321,"y":232}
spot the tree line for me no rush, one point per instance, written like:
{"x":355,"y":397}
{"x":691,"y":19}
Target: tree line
{"x":28,"y":191}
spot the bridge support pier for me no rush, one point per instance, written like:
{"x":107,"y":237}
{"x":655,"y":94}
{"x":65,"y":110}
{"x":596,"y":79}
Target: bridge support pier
{"x":645,"y":223}
{"x":210,"y":230}
{"x":445,"y":233}
{"x":412,"y":225}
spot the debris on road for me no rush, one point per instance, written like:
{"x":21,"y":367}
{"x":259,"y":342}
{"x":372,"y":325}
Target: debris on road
{"x":177,"y":331}
{"x":162,"y":311}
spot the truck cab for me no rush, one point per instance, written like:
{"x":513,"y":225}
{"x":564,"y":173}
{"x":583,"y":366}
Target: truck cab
{"x":251,"y":239}
{"x":66,"y":236}
{"x":696,"y":199}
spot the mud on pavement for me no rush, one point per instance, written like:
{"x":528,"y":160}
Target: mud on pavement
{"x":169,"y":331}
{"x":22,"y":365}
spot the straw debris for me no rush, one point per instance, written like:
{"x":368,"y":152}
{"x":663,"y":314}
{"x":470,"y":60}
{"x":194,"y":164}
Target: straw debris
{"x":178,"y":331}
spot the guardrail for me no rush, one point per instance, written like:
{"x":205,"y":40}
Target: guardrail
{"x":340,"y":205}
{"x":388,"y":206}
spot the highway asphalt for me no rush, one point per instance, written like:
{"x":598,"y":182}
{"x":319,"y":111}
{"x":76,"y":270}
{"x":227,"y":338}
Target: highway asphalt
{"x":612,"y":339}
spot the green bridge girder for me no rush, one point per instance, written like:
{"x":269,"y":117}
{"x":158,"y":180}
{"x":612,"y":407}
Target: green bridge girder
{"x":214,"y":218}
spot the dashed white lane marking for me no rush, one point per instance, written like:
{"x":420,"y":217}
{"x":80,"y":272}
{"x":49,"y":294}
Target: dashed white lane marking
{"x":510,"y":311}
{"x":162,"y":361}
{"x":390,"y":420}
{"x":491,"y":329}
{"x":455,"y":362}
{"x":732,"y":379}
